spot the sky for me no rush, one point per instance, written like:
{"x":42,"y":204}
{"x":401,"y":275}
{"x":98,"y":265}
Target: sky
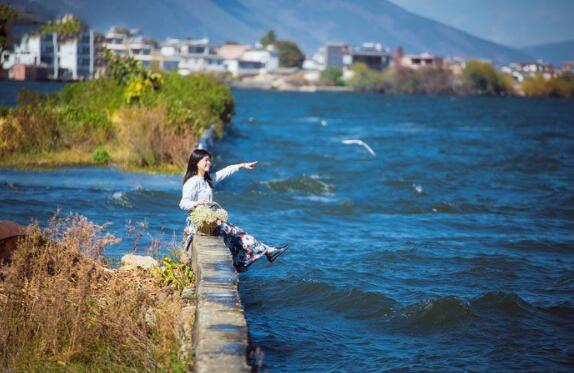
{"x":515,"y":23}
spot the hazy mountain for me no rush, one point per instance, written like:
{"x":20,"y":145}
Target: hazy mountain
{"x":309,"y":22}
{"x":555,"y":53}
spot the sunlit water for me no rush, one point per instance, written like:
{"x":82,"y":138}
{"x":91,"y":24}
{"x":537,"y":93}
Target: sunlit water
{"x":450,"y":250}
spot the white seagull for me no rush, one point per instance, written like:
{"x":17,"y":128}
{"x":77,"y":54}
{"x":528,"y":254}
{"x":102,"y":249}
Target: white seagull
{"x":362,"y":143}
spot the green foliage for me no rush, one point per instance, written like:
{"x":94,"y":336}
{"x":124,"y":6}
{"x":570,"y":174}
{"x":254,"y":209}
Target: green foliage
{"x":101,"y":156}
{"x":175,"y":273}
{"x":7,"y":15}
{"x":4,"y":110}
{"x":70,"y":27}
{"x":289,"y":53}
{"x":436,"y":81}
{"x":122,"y":70}
{"x":84,"y":111}
{"x":366,"y":80}
{"x":195,"y":102}
{"x":483,"y":79}
{"x":32,"y":127}
{"x":139,"y":81}
{"x":268,"y":39}
{"x":560,"y":86}
{"x":332,"y":76}
{"x":152,"y":119}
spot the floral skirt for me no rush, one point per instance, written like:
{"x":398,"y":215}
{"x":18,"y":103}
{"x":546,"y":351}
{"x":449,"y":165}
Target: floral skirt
{"x":244,"y":248}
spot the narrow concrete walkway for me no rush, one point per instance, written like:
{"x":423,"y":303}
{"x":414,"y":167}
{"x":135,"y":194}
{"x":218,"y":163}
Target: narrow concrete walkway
{"x":220,"y":331}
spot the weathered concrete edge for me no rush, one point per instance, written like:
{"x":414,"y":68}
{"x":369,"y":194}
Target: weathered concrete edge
{"x":220,"y":330}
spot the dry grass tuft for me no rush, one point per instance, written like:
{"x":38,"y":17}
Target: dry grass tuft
{"x":149,"y":140}
{"x":62,"y":310}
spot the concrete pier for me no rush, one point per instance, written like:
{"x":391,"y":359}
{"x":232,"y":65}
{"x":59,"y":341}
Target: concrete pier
{"x":220,"y":331}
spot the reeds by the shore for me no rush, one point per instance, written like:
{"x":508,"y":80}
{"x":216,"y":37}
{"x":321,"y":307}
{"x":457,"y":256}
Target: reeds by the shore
{"x":61,"y":309}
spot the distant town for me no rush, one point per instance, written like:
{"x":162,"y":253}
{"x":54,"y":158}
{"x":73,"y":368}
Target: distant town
{"x":53,"y":55}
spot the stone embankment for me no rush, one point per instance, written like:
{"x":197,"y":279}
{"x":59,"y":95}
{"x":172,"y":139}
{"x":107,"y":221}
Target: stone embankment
{"x":220,"y":330}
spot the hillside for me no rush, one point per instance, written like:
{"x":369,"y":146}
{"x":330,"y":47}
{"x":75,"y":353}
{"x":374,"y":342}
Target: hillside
{"x":555,"y":53}
{"x":311,"y":23}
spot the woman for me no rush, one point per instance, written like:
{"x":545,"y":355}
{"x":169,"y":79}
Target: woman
{"x":198,"y":190}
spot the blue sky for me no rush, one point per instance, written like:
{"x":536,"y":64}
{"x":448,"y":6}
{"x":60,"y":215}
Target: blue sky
{"x":515,"y":23}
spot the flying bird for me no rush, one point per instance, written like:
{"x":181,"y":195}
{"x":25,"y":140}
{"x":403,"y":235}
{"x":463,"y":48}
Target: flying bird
{"x":362,"y":143}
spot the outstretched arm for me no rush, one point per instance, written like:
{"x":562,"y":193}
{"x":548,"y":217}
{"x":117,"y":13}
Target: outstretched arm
{"x":230,"y":170}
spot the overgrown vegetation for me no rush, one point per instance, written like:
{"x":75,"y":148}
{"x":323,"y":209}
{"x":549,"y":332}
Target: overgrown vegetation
{"x":7,"y":15}
{"x":332,"y":76}
{"x":290,"y":54}
{"x":483,"y":79}
{"x":477,"y":79}
{"x":61,"y":309}
{"x":71,"y":26}
{"x":143,"y":119}
{"x":561,"y":86}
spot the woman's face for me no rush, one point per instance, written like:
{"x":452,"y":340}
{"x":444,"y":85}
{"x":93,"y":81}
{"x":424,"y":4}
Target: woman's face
{"x":204,"y":164}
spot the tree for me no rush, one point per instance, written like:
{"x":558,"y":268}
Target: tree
{"x":332,"y":76}
{"x":483,"y":79}
{"x":289,"y":54}
{"x":268,"y":39}
{"x":367,"y":80}
{"x":7,"y":15}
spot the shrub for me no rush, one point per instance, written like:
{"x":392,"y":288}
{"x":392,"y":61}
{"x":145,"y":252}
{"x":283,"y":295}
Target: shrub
{"x":148,"y":138}
{"x":150,"y":118}
{"x":483,"y":79}
{"x":101,"y":156}
{"x":366,"y":80}
{"x":332,"y":76}
{"x":4,"y":110}
{"x":61,"y":310}
{"x":289,"y":53}
{"x":196,"y":102}
{"x":561,"y":86}
{"x":436,"y":81}
{"x":32,"y":127}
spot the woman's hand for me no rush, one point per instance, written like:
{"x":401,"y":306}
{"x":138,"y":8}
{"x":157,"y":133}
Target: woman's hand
{"x":249,"y":165}
{"x":201,"y":202}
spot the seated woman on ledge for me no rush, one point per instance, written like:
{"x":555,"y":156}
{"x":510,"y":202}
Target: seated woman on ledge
{"x":198,"y":190}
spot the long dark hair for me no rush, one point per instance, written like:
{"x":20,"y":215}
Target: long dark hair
{"x":196,"y":156}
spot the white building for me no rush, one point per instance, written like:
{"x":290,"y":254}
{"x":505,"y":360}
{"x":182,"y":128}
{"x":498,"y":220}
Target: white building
{"x":243,"y":60}
{"x":79,"y":57}
{"x":371,"y":54}
{"x":75,"y":57}
{"x":116,"y":41}
{"x":342,"y":56}
{"x":140,"y":49}
{"x":187,"y":56}
{"x":416,"y":61}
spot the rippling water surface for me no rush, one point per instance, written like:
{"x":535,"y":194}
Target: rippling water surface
{"x":450,"y":250}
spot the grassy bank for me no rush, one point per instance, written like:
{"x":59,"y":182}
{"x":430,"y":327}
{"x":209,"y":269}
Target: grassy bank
{"x":134,"y":118}
{"x":62,"y":309}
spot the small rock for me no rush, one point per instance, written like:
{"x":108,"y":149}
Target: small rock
{"x":132,"y":261}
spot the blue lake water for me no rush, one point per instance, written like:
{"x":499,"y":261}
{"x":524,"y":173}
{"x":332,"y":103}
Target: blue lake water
{"x":452,"y":249}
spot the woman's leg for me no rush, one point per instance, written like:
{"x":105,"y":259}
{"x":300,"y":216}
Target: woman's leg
{"x":245,"y":248}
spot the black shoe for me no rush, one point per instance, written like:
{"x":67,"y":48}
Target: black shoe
{"x":278,"y":251}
